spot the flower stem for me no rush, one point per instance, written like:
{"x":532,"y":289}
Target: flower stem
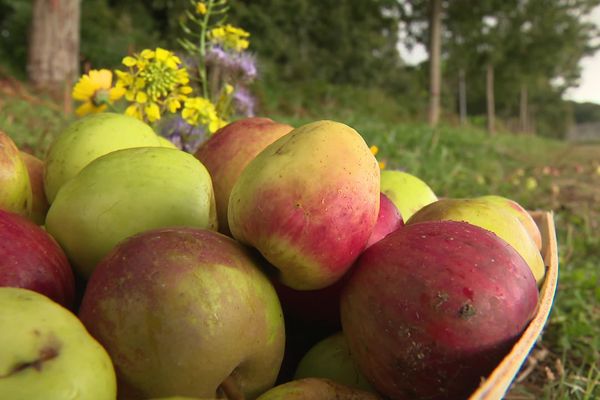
{"x":202,"y":54}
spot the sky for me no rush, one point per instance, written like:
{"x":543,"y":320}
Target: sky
{"x":587,"y":91}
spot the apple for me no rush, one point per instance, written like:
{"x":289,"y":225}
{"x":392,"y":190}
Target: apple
{"x":182,"y":311}
{"x":47,"y":353}
{"x":226,"y":153}
{"x":521,"y":213}
{"x":492,"y":217}
{"x":126,"y":192}
{"x":310,"y":315}
{"x":89,"y":138}
{"x":30,"y":258}
{"x":388,"y":220}
{"x":39,"y":203}
{"x":15,"y":187}
{"x":308,"y":202}
{"x":164,"y":142}
{"x":316,"y":388}
{"x":408,"y":192}
{"x":432,"y":308}
{"x":331,"y":359}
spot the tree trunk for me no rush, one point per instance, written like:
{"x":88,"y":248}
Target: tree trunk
{"x":523,"y":122}
{"x":435,"y":73}
{"x":462,"y":96}
{"x":53,"y":58}
{"x":489,"y":91}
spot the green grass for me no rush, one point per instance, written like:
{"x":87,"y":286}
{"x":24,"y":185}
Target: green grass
{"x":31,"y":125}
{"x":463,"y":162}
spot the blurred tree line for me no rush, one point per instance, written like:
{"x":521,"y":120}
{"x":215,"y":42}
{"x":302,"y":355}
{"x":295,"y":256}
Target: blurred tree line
{"x":505,"y":61}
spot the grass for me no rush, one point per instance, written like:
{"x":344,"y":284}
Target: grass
{"x":462,"y":162}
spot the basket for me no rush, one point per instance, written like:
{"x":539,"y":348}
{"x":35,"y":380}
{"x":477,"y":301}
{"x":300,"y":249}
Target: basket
{"x":495,"y":386}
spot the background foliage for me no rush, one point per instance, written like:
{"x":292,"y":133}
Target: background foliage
{"x":332,"y":52}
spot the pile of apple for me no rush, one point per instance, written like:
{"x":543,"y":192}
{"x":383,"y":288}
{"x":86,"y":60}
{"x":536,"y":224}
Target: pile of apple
{"x":273,"y":256}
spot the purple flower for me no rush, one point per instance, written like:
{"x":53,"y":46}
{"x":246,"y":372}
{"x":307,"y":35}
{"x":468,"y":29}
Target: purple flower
{"x":240,"y":65}
{"x":216,"y":56}
{"x":183,"y":135}
{"x":243,"y":101}
{"x":246,"y":65}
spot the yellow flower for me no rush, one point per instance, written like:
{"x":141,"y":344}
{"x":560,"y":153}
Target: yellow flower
{"x":381,"y":164}
{"x":201,"y":111}
{"x":156,"y":82}
{"x":96,"y":92}
{"x":201,"y":8}
{"x":229,"y":37}
{"x":374,"y":150}
{"x":152,"y":111}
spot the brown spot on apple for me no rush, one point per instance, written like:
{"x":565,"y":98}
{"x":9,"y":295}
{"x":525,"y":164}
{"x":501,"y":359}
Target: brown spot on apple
{"x":47,"y":353}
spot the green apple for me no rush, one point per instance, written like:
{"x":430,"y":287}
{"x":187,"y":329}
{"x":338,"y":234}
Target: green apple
{"x":492,"y":217}
{"x":185,"y":312}
{"x":316,"y":388}
{"x":308,"y":202}
{"x":331,"y":359}
{"x":126,"y":192}
{"x":179,"y":398}
{"x":89,"y":138}
{"x":47,"y":354}
{"x":521,"y":213}
{"x":408,"y":192}
{"x":15,"y":187}
{"x":39,"y":203}
{"x":164,"y":142}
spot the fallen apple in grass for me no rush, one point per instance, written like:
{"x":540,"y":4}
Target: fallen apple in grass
{"x":185,"y":312}
{"x":30,"y":258}
{"x":433,"y":307}
{"x":126,"y":192}
{"x":15,"y":187}
{"x":308,"y":202}
{"x":47,"y":353}
{"x":226,"y":153}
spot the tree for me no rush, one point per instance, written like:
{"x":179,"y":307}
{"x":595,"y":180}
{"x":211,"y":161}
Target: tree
{"x":525,"y":53}
{"x":53,"y":53}
{"x":435,"y":70}
{"x":336,"y":41}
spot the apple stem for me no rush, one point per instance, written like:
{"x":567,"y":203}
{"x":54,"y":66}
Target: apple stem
{"x":231,"y":389}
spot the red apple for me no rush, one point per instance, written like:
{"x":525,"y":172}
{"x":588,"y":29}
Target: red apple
{"x":185,"y":311}
{"x":308,"y":202}
{"x":31,"y":259}
{"x":310,"y":315}
{"x":433,"y":307}
{"x":15,"y":188}
{"x":39,"y":203}
{"x":230,"y":149}
{"x":388,"y":220}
